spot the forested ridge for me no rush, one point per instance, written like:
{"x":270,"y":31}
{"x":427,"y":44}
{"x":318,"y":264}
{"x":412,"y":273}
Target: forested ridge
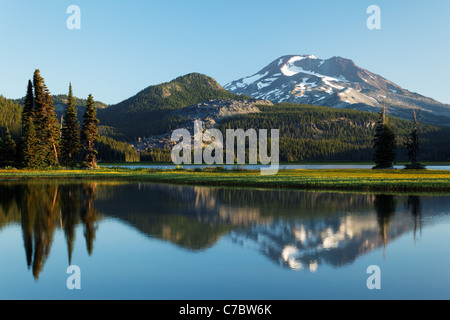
{"x":146,"y":113}
{"x":62,"y":99}
{"x":10,"y":116}
{"x":322,"y":133}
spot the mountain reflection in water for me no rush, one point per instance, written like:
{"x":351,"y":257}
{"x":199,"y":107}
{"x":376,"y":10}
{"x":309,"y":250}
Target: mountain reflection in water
{"x":297,"y":229}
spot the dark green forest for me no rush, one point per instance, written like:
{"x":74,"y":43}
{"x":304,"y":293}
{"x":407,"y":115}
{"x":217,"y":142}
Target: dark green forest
{"x":322,"y":133}
{"x":116,"y":151}
{"x":10,"y":117}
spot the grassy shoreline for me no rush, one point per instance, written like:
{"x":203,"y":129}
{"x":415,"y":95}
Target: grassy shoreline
{"x":300,"y":163}
{"x":426,"y":181}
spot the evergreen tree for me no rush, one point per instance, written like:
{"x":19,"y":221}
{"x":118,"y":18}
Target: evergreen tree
{"x":413,"y":145}
{"x":47,"y":127}
{"x":384,"y":143}
{"x":8,"y":150}
{"x":89,"y":135}
{"x":31,"y":158}
{"x":70,"y":134}
{"x":27,"y":148}
{"x":28,"y":105}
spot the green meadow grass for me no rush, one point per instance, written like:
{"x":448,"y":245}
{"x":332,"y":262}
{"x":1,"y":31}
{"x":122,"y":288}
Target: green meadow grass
{"x":348,"y":179}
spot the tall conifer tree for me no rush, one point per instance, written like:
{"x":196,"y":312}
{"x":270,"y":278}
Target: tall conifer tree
{"x":28,"y":106}
{"x":413,"y":144}
{"x":384,"y":143}
{"x":47,"y":127}
{"x":31,"y":158}
{"x":28,"y":146}
{"x":70,"y":134}
{"x":89,"y":135}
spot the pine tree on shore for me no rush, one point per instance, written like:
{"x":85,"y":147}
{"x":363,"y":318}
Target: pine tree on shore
{"x":47,"y":127}
{"x":28,"y":106}
{"x":413,"y":144}
{"x":31,"y":158}
{"x":89,"y":135}
{"x":28,"y":150}
{"x":70,"y":134}
{"x":384,"y":143}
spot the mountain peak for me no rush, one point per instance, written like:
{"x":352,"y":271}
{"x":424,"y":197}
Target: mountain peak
{"x":145,"y":113}
{"x":335,"y":82}
{"x":193,"y":77}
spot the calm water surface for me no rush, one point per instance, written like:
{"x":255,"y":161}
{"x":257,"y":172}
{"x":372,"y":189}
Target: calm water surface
{"x":156,"y":241}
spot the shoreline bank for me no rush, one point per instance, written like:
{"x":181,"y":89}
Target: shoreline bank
{"x":349,"y":180}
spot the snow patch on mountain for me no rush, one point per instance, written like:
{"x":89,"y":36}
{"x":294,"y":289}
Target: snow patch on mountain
{"x":336,"y":82}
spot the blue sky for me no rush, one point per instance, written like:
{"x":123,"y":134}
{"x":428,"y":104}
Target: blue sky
{"x":125,"y":46}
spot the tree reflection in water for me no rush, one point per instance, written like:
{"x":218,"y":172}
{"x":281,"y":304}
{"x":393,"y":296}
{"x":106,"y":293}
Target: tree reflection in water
{"x":385,"y":206}
{"x":44,"y":207}
{"x":297,"y":228}
{"x":415,"y":205}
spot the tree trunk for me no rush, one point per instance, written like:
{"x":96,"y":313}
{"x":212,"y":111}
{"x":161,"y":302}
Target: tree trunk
{"x":56,"y":153}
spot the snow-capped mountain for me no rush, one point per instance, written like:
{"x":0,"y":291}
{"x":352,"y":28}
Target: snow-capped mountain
{"x":336,"y":82}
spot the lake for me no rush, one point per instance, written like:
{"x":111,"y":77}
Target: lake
{"x":168,"y":242}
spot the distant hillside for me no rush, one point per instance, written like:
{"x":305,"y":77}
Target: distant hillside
{"x":307,"y":133}
{"x":210,"y":113}
{"x":60,"y":102}
{"x":323,"y":133}
{"x":10,"y":116}
{"x":146,"y":113}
